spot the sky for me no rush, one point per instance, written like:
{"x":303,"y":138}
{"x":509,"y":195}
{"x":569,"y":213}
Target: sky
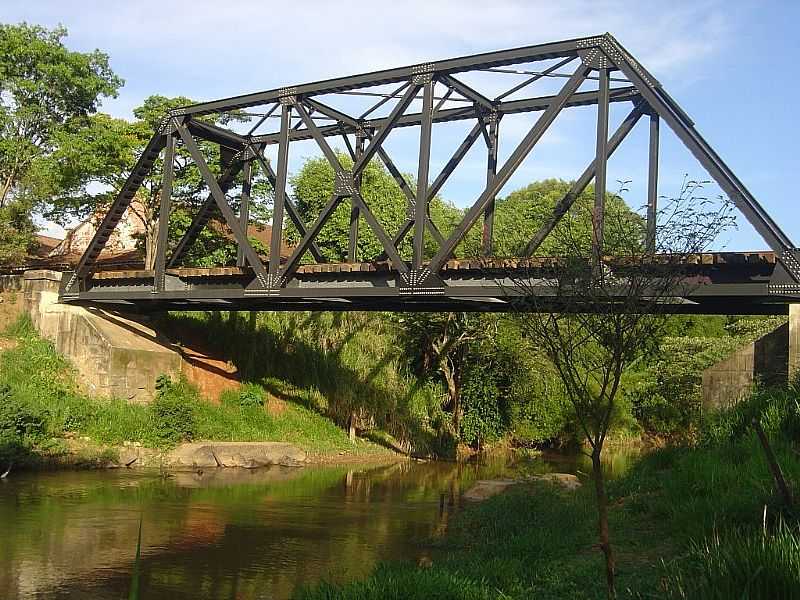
{"x":728,"y":63}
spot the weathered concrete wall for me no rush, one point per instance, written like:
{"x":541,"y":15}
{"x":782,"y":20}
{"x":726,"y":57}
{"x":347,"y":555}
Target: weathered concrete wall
{"x":11,"y":283}
{"x":769,"y":360}
{"x":115,"y":357}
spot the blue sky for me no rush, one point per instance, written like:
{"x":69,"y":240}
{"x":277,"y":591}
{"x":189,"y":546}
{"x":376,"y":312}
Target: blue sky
{"x":729,"y":64}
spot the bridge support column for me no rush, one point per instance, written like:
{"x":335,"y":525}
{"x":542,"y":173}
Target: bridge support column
{"x":794,"y":341}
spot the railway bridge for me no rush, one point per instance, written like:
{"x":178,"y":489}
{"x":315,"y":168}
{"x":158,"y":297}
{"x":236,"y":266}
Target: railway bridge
{"x":595,"y":71}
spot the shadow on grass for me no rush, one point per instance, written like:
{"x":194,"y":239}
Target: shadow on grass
{"x":298,"y":352}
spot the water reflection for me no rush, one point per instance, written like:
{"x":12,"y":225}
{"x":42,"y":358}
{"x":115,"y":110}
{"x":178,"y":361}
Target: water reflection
{"x":224,"y":533}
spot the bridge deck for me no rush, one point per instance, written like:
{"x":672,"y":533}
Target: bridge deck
{"x":723,"y":282}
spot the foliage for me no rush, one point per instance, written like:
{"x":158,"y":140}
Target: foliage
{"x":340,"y":365}
{"x":689,"y":523}
{"x":173,"y":410}
{"x":777,"y":409}
{"x":44,"y":384}
{"x":247,"y":396}
{"x":313,"y":186}
{"x":519,"y":216}
{"x":665,"y":390}
{"x":16,"y":232}
{"x":483,"y":420}
{"x":48,"y":95}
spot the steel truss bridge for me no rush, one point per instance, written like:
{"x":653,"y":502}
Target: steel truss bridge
{"x":755,"y":283}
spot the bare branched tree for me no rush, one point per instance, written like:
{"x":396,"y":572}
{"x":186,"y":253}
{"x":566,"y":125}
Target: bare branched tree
{"x":595,"y":314}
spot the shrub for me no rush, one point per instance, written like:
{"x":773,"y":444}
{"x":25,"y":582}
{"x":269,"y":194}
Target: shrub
{"x":483,"y":421}
{"x":173,"y":411}
{"x":665,"y":396}
{"x":19,"y":420}
{"x":251,"y":396}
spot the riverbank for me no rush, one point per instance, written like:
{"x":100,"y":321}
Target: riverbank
{"x":47,"y":421}
{"x":686,"y":522}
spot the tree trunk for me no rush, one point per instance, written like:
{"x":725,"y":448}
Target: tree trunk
{"x":150,"y":246}
{"x":351,"y":427}
{"x":602,"y":519}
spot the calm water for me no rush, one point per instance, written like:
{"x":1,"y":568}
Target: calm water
{"x":227,"y":533}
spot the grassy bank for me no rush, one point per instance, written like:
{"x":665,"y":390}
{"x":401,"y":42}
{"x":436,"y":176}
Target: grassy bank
{"x":687,"y":522}
{"x":42,"y":405}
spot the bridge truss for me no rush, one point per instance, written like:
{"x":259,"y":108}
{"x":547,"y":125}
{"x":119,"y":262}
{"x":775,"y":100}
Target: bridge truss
{"x":751,"y":283}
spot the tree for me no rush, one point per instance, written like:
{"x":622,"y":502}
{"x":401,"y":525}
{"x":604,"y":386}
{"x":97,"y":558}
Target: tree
{"x":109,"y":147}
{"x":439,"y":343}
{"x":594,"y":320}
{"x":524,"y":211}
{"x":48,"y":94}
{"x":313,"y":186}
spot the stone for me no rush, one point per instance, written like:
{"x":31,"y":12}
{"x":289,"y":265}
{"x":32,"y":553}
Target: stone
{"x":564,"y":480}
{"x":486,"y":488}
{"x":248,"y":455}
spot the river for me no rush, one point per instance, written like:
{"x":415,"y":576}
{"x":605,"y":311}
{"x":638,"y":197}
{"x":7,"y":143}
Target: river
{"x":226,"y":533}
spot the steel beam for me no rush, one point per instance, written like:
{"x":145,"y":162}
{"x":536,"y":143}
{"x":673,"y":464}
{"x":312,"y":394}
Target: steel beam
{"x":280,"y":192}
{"x":340,"y":172}
{"x":291,"y":209}
{"x":563,"y":205}
{"x":652,"y":184}
{"x":466,"y":91}
{"x":203,"y":215}
{"x":352,"y":242}
{"x":168,"y":171}
{"x":511,"y":107}
{"x":683,"y":127}
{"x":230,"y":218}
{"x":244,"y":208}
{"x":421,"y":207}
{"x":601,"y":160}
{"x":120,"y":204}
{"x":491,"y":171}
{"x":387,"y":76}
{"x":511,"y":165}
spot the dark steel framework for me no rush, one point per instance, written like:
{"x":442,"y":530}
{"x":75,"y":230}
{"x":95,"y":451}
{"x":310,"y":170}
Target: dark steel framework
{"x":419,"y":284}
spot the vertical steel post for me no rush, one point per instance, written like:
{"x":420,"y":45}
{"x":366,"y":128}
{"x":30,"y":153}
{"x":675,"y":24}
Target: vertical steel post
{"x":421,"y":204}
{"x":280,"y":190}
{"x":491,"y":171}
{"x":163,"y":214}
{"x":601,"y":161}
{"x":244,"y":207}
{"x":652,"y":184}
{"x":352,"y":248}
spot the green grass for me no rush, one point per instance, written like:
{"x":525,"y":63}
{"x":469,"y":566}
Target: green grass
{"x":44,"y":384}
{"x":686,"y":522}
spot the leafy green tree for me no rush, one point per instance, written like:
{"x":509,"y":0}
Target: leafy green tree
{"x":112,"y":146}
{"x":48,"y":94}
{"x":519,"y":216}
{"x":313,"y":187}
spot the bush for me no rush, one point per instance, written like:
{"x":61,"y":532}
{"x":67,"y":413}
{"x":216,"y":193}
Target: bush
{"x":482,"y":421}
{"x":666,"y":395}
{"x":173,"y":411}
{"x":19,"y":420}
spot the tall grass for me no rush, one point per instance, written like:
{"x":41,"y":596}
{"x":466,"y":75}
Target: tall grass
{"x":740,"y":564}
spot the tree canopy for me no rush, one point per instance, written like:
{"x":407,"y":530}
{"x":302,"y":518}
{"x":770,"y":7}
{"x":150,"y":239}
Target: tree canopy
{"x":48,"y":96}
